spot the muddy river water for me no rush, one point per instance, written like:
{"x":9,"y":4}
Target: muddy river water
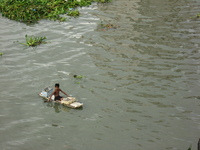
{"x":140,"y":85}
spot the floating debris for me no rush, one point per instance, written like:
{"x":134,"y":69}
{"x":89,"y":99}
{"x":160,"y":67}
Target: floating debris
{"x":78,"y":76}
{"x":107,"y":26}
{"x":54,"y":125}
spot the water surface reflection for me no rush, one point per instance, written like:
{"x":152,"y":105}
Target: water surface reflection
{"x":141,"y":85}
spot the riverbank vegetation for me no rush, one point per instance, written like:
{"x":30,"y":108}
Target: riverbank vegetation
{"x":31,"y":11}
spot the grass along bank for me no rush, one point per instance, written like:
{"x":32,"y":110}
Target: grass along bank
{"x":31,"y":11}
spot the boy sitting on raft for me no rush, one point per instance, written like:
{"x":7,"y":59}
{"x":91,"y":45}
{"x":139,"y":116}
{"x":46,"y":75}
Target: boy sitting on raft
{"x":56,"y":93}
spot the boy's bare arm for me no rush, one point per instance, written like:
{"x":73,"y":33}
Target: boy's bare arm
{"x":65,"y":93}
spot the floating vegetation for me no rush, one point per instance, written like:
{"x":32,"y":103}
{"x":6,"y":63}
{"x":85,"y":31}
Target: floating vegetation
{"x":1,"y":54}
{"x":31,"y":11}
{"x":54,"y":125}
{"x":34,"y":41}
{"x":73,"y":13}
{"x":78,"y":79}
{"x":106,"y":26}
{"x":78,"y":76}
{"x":198,"y":16}
{"x":190,"y":148}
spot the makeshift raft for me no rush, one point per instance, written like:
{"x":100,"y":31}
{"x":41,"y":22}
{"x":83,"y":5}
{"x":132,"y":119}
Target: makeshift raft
{"x":69,"y":101}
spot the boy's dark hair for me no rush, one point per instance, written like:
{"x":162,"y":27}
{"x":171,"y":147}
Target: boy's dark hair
{"x":57,"y":85}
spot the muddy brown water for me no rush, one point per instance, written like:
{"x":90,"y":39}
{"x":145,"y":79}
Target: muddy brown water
{"x":140,"y":87}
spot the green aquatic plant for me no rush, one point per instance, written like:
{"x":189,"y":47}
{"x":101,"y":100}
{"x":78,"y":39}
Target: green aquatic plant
{"x":104,"y":1}
{"x":31,"y":11}
{"x":78,"y":76}
{"x":190,"y":148}
{"x":1,"y":54}
{"x":34,"y":41}
{"x":198,"y":16}
{"x":54,"y":125}
{"x":73,"y":13}
{"x":78,"y":82}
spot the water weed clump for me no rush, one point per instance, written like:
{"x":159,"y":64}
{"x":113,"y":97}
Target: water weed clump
{"x":73,"y":13}
{"x":198,"y":16}
{"x":107,"y":26}
{"x":34,"y":41}
{"x":78,"y":78}
{"x":1,"y":54}
{"x":31,"y":11}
